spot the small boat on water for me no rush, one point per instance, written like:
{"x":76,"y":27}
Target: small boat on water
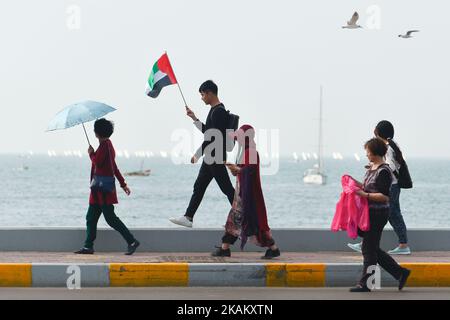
{"x":139,"y":173}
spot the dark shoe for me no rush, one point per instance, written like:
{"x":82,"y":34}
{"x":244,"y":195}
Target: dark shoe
{"x":360,"y":288}
{"x":85,"y":251}
{"x":132,"y":248}
{"x":221,"y":252}
{"x":270,"y":254}
{"x":403,"y":278}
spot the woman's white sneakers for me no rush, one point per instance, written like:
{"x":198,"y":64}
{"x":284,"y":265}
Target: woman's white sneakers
{"x":400,"y":251}
{"x":397,"y":251}
{"x":182,"y":221}
{"x":356,"y":246}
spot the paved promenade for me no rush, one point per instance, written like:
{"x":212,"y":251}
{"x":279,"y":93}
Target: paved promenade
{"x":204,"y":257}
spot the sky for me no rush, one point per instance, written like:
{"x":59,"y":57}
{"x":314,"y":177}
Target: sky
{"x":268,"y":58}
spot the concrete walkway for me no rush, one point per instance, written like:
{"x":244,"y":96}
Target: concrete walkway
{"x":204,"y":257}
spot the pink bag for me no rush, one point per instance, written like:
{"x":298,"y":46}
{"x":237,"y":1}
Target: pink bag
{"x":352,"y":211}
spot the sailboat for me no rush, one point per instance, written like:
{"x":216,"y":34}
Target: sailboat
{"x":139,"y":173}
{"x":316,"y":175}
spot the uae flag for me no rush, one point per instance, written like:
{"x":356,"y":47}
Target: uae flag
{"x":162,"y":75}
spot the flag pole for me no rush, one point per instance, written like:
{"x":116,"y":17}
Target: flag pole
{"x":185,"y":104}
{"x":179,"y":88}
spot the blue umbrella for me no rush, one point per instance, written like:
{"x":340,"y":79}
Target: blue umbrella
{"x":79,"y":113}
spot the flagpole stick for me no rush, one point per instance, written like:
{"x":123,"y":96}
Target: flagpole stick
{"x":182,"y":96}
{"x":86,"y":134}
{"x":179,"y":88}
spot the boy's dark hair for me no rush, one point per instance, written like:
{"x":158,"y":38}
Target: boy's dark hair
{"x":209,"y":86}
{"x":385,"y":130}
{"x":104,"y":128}
{"x":376,"y":146}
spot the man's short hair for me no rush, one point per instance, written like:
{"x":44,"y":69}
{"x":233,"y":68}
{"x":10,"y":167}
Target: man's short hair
{"x":208,"y":86}
{"x":104,"y":128}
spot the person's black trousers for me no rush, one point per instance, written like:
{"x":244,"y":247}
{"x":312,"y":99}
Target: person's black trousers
{"x":371,"y":247}
{"x":206,"y":174}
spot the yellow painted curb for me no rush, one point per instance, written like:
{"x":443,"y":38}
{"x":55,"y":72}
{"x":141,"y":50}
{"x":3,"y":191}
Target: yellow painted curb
{"x":275,"y":275}
{"x":295,"y":275}
{"x":149,"y":275}
{"x":428,"y":274}
{"x":15,"y":275}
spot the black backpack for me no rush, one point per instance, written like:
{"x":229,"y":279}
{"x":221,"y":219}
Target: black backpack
{"x":403,"y":176}
{"x":232,"y":125}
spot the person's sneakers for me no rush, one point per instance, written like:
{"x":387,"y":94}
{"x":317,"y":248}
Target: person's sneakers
{"x":400,"y":251}
{"x":182,"y":221}
{"x":270,"y":254}
{"x":360,"y":288}
{"x":403,"y":278}
{"x":356,"y":247}
{"x":219,"y":252}
{"x":132,"y":248}
{"x":85,"y":251}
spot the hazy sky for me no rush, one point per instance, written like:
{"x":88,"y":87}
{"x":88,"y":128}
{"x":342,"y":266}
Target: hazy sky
{"x":268,"y":58}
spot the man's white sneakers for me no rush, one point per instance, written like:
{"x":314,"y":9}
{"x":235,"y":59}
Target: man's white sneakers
{"x":182,"y":221}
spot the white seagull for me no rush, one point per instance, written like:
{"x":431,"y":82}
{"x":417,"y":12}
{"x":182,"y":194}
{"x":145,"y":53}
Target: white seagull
{"x":352,"y":23}
{"x":408,"y":34}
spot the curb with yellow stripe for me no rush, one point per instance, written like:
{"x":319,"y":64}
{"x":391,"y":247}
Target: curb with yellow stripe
{"x":207,"y":274}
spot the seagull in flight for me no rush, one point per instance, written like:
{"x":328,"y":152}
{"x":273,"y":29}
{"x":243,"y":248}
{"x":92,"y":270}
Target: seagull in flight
{"x":408,"y":34}
{"x":352,"y":23}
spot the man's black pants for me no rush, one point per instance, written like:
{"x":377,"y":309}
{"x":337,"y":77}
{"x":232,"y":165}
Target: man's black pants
{"x":206,"y":174}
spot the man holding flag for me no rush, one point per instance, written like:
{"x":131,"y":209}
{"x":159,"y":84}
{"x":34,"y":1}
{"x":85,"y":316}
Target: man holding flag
{"x":213,"y":165}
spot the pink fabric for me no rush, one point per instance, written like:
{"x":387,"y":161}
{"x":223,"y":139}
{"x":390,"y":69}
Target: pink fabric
{"x":352,"y":211}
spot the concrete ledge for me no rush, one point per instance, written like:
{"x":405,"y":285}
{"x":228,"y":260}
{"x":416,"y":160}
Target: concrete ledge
{"x":57,"y":275}
{"x":202,"y":240}
{"x":207,"y":274}
{"x":227,"y":275}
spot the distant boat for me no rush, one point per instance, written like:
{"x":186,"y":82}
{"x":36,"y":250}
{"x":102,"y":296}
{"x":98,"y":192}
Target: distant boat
{"x":316,"y":175}
{"x":139,"y":173}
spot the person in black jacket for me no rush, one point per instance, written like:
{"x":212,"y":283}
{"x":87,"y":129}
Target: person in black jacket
{"x":214,"y":152}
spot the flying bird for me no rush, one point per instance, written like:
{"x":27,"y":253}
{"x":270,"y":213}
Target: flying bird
{"x":408,"y":34}
{"x":352,"y":23}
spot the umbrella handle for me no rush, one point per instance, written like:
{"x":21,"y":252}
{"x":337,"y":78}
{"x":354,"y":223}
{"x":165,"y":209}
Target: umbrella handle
{"x":86,"y":134}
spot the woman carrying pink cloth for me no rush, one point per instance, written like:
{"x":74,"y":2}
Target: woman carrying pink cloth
{"x":352,"y":211}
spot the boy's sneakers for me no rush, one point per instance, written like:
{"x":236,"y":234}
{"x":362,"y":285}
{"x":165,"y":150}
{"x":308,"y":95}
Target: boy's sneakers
{"x":356,"y":247}
{"x":398,"y":250}
{"x":182,"y":221}
{"x":132,"y":248}
{"x":85,"y":251}
{"x":403,"y":278}
{"x":360,"y":288}
{"x":270,"y":254}
{"x":219,"y":252}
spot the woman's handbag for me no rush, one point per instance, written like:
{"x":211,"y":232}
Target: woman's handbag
{"x":105,"y":184}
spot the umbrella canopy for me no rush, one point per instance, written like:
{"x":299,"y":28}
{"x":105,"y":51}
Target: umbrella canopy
{"x":79,"y":113}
